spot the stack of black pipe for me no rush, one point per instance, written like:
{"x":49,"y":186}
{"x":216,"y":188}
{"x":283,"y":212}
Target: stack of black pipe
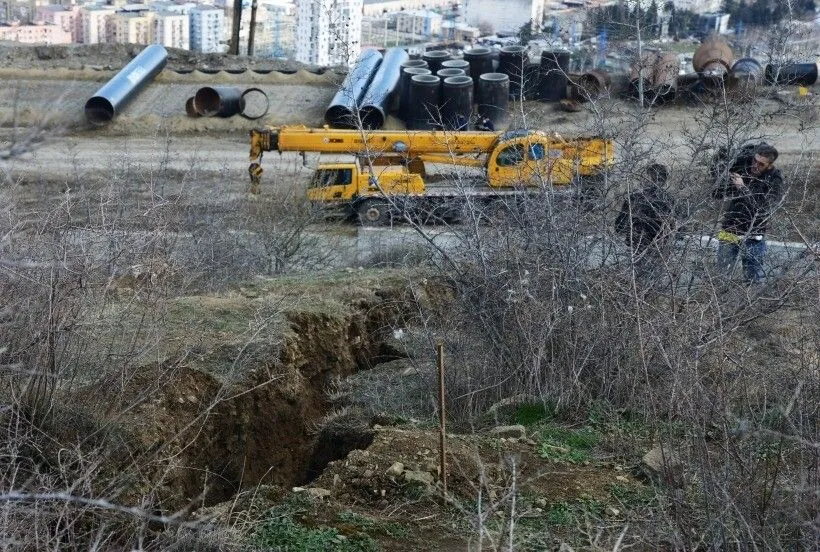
{"x":343,"y":111}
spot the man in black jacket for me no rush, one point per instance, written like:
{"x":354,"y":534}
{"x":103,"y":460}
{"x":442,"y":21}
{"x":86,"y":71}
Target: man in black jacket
{"x":646,"y":218}
{"x":753,"y":194}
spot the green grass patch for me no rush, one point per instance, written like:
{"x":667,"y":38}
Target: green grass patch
{"x":632,"y":496}
{"x":568,"y":513}
{"x":567,"y":445}
{"x":282,"y":532}
{"x":533,"y":413}
{"x":374,"y":527}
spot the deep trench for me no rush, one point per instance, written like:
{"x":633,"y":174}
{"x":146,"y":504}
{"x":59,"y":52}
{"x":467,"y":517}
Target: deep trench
{"x":270,"y":437}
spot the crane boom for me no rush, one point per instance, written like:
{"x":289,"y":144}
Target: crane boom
{"x":407,"y":142}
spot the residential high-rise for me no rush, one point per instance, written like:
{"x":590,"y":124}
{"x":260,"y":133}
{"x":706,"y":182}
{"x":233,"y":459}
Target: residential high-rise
{"x":171,"y":30}
{"x":206,"y":28}
{"x":328,"y":32}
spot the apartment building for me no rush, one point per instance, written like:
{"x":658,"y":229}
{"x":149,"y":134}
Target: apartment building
{"x":172,"y":30}
{"x":328,"y":32}
{"x":377,"y":8}
{"x":34,"y":34}
{"x":132,"y":28}
{"x":419,"y":22}
{"x":65,"y":17}
{"x":280,"y":26}
{"x":94,"y":24}
{"x":206,"y":28}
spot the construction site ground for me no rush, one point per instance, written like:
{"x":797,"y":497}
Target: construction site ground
{"x":386,"y":495}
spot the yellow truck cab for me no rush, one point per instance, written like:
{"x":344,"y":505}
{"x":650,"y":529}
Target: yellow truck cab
{"x":343,"y":178}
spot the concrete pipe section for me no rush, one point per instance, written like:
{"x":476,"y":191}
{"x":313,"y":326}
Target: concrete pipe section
{"x":511,"y":62}
{"x":109,"y":100}
{"x":554,"y":69}
{"x":435,"y":58}
{"x":404,"y":90}
{"x":425,"y":92}
{"x":457,"y":102}
{"x":494,"y":99}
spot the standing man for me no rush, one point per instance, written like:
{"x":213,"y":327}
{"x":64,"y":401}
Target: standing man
{"x":646,"y":218}
{"x":752,"y":193}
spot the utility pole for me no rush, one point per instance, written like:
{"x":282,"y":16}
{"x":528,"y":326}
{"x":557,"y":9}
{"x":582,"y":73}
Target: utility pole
{"x":237,"y":18}
{"x":252,"y":30}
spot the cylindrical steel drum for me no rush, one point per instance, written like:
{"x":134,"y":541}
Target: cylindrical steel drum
{"x":457,"y":102}
{"x":802,"y":74}
{"x":511,"y":62}
{"x":425,"y":91}
{"x":383,"y":89}
{"x":219,"y":101}
{"x":481,"y":61}
{"x":592,"y":85}
{"x":449,"y":72}
{"x":554,"y":69}
{"x":404,"y":89}
{"x":434,"y":59}
{"x":494,"y":99}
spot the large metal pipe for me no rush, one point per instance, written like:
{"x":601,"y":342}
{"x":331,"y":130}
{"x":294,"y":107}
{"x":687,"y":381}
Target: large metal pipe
{"x":219,"y":101}
{"x":383,"y":89}
{"x":425,"y":91}
{"x":745,"y":77}
{"x":404,"y":89}
{"x":747,"y":70}
{"x":511,"y":62}
{"x":554,"y":69}
{"x":802,"y":74}
{"x":457,"y":102}
{"x":116,"y":93}
{"x":494,"y":99}
{"x":343,"y":109}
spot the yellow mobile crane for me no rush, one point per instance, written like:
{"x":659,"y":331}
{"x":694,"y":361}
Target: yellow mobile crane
{"x":374,"y":174}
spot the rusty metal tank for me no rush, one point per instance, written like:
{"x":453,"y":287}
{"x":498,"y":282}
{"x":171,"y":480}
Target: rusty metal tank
{"x":642,"y":71}
{"x":713,"y":58}
{"x":591,"y":85}
{"x":665,"y":77}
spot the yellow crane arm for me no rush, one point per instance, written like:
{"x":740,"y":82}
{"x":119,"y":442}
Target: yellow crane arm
{"x":409,"y":142}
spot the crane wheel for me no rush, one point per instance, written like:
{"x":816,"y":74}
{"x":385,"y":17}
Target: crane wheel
{"x":373,"y":212}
